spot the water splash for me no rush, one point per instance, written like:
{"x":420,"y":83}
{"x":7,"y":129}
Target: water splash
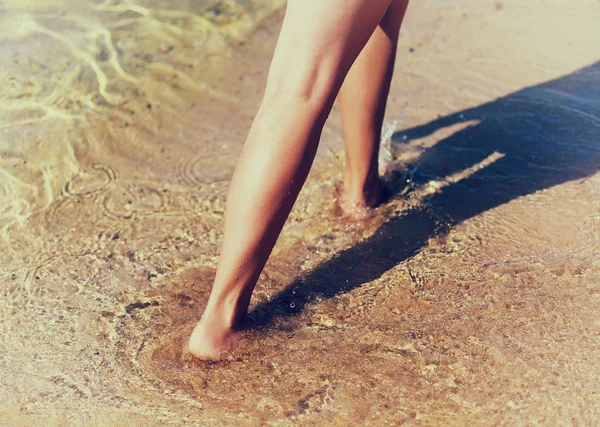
{"x":386,"y":154}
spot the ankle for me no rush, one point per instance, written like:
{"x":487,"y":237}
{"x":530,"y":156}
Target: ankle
{"x":361,"y":188}
{"x":224,"y":313}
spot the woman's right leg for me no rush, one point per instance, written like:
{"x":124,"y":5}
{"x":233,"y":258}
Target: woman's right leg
{"x":362,"y":100}
{"x":318,"y":43}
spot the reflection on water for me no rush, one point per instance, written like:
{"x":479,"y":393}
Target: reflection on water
{"x":121,"y":123}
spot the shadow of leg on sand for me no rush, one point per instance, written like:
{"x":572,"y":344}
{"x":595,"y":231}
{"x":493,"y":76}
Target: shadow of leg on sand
{"x":539,"y":137}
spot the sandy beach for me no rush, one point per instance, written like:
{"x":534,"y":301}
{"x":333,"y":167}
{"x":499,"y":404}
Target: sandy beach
{"x":470,"y":298}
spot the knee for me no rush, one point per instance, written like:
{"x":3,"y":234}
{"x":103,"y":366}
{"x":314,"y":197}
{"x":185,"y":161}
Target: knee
{"x":296,"y":94}
{"x":312,"y":86}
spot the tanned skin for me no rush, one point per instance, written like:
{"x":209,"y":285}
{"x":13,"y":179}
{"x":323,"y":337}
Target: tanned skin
{"x":325,"y":48}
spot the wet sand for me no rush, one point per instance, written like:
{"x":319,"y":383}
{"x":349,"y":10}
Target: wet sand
{"x":472,"y":297}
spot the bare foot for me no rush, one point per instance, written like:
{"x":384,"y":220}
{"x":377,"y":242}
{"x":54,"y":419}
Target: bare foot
{"x":213,"y":340}
{"x":358,"y":203}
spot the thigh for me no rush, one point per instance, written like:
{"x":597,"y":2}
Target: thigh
{"x":319,"y":41}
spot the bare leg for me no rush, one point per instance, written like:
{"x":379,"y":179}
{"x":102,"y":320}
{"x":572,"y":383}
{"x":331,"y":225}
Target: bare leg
{"x":318,"y":43}
{"x":362,"y":100}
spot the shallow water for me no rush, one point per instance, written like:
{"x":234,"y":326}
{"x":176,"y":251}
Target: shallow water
{"x":471,"y":297}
